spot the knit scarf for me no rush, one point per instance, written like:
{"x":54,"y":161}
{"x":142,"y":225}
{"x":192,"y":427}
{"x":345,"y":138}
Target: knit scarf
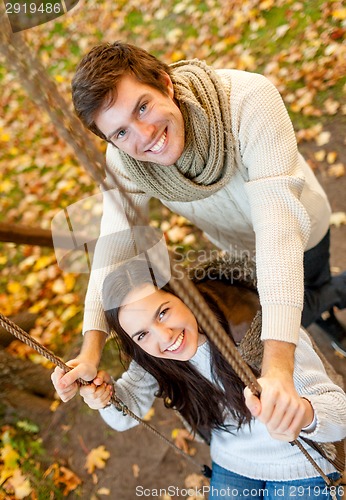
{"x":206,"y":163}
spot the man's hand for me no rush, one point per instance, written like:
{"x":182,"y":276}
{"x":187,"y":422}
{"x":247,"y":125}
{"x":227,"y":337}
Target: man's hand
{"x":280,"y":407}
{"x":98,"y":394}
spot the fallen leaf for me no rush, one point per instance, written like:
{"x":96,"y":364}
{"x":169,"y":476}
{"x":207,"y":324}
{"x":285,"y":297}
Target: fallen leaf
{"x":104,"y":491}
{"x":337,"y":170}
{"x":19,"y":484}
{"x":331,"y":157}
{"x":337,"y":219}
{"x":323,"y":138}
{"x":149,"y":415}
{"x":69,"y":479}
{"x":135,"y":470}
{"x":10,"y":457}
{"x":96,"y":459}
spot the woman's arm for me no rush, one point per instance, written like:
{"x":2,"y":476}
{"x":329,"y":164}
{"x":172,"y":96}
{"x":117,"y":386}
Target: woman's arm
{"x":136,"y":388}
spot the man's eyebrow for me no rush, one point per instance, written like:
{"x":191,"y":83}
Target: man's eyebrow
{"x":154,"y":317}
{"x":134,"y":111}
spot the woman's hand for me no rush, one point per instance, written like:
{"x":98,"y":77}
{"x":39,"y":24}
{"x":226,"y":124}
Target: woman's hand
{"x":65,"y":383}
{"x":97,"y":395}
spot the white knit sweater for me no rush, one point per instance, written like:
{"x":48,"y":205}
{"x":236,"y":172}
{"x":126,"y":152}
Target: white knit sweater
{"x":273,"y":207}
{"x":252,"y":453}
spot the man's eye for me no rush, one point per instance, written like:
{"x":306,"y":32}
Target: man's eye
{"x":143,"y":108}
{"x":121,"y":134}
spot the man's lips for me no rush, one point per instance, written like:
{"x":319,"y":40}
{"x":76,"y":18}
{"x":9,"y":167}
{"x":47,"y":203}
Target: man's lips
{"x":158,"y":146}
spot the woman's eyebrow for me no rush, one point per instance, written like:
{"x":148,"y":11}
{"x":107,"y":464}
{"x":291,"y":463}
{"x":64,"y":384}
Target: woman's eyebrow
{"x":154,"y":317}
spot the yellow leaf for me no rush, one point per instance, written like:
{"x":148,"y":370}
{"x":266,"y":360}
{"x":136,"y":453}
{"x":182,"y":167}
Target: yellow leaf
{"x":6,"y":186}
{"x":69,"y":313}
{"x":10,"y":457}
{"x":337,"y":218}
{"x":54,"y":406}
{"x":149,"y":415}
{"x":96,"y":459}
{"x":39,"y":306}
{"x":3,"y":259}
{"x":15,"y":287}
{"x":331,"y":157}
{"x":70,"y":282}
{"x":43,"y":262}
{"x":135,"y":470}
{"x":320,"y":155}
{"x":4,"y":137}
{"x":59,"y":78}
{"x":339,"y":14}
{"x":104,"y":491}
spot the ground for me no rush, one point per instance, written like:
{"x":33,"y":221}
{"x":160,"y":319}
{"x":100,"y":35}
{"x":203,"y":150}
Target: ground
{"x":140,"y":460}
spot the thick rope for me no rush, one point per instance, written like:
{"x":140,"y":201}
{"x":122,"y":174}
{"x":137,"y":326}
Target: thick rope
{"x":45,"y":93}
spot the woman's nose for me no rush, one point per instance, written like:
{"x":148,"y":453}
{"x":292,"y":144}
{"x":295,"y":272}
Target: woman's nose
{"x":164,"y":335}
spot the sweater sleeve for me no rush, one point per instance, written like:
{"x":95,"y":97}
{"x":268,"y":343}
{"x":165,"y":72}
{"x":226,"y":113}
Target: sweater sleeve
{"x":136,"y":388}
{"x":115,"y":243}
{"x":282,"y":226}
{"x":327,"y":399}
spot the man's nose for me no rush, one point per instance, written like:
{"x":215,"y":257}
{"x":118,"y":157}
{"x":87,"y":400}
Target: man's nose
{"x":146,"y":131}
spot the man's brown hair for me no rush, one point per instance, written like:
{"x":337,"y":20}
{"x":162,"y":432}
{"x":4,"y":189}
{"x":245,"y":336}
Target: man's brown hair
{"x":97,"y":75}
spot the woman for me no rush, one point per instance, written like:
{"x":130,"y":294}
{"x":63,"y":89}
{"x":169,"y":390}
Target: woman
{"x":173,"y":358}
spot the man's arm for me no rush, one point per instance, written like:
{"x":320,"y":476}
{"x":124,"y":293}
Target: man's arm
{"x":84,"y":366}
{"x":280,"y":407}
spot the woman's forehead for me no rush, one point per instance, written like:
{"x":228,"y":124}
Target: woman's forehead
{"x":142,"y":293}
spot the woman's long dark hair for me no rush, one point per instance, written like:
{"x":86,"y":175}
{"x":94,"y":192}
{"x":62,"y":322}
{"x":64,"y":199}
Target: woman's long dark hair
{"x":201,"y":403}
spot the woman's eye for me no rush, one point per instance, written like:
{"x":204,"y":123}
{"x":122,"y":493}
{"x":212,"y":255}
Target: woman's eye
{"x":162,"y":313}
{"x":141,"y":336}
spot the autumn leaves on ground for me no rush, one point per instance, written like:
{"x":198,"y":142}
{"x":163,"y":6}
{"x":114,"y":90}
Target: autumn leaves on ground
{"x":297,"y":44}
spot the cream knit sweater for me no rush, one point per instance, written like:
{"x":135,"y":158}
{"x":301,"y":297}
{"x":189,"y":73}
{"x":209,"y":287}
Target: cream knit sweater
{"x":273,"y":208}
{"x":252,"y":453}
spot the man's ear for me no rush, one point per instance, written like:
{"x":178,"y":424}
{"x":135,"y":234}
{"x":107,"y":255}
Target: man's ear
{"x":166,"y":79}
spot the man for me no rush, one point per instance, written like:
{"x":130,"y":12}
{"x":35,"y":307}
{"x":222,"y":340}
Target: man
{"x":219,"y":148}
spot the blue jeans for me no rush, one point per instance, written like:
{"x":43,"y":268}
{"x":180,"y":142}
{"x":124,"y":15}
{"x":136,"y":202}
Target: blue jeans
{"x":226,"y":484}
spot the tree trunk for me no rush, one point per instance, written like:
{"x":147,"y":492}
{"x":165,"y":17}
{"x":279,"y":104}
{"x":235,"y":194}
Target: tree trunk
{"x":26,"y":389}
{"x":24,"y":320}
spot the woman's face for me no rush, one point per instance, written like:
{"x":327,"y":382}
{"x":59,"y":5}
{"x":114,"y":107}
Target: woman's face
{"x":160,"y":323}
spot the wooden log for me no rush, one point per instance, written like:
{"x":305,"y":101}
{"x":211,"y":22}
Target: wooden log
{"x":23,"y":235}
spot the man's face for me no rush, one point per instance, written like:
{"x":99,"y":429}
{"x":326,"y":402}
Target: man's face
{"x":144,"y":123}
